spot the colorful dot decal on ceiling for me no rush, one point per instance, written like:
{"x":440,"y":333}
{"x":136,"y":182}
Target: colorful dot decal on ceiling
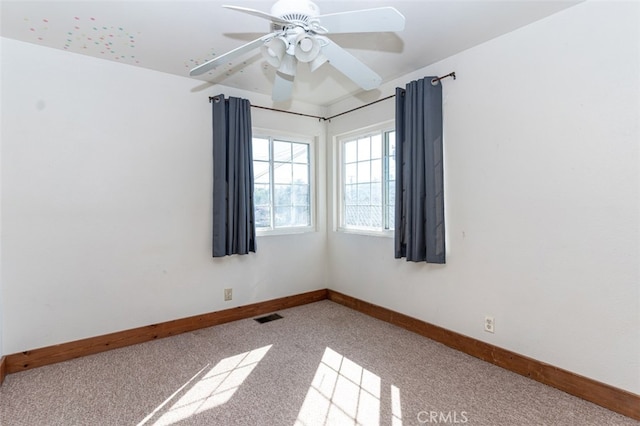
{"x":228,"y":68}
{"x":38,"y":28}
{"x":194,"y":62}
{"x":87,"y":35}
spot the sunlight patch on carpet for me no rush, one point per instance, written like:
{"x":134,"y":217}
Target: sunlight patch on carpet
{"x":342,"y":392}
{"x":213,"y":389}
{"x":396,"y":407}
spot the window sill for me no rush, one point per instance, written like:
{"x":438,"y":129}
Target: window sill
{"x":366,"y":232}
{"x":285,"y":231}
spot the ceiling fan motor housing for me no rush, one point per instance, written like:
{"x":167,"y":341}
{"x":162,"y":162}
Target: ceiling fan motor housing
{"x":295,"y":10}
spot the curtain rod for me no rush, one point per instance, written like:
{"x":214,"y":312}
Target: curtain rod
{"x":288,"y":112}
{"x":433,"y":81}
{"x":323,"y":118}
{"x":360,"y":107}
{"x":437,"y":79}
{"x":215,"y":98}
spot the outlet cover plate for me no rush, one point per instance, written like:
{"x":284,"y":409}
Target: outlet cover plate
{"x":489,"y":324}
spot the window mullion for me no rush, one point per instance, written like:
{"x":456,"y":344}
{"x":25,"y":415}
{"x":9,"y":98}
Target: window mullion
{"x":272,"y":186}
{"x":343,"y":178}
{"x":384,"y":179}
{"x":291,"y":187}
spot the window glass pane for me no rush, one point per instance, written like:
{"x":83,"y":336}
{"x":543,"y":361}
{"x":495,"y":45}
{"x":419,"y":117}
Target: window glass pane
{"x":281,"y":151}
{"x":300,"y":195}
{"x":391,"y":213}
{"x":283,"y":216}
{"x":376,"y":195}
{"x":263,"y":217}
{"x":260,"y":149}
{"x":391,"y":138}
{"x":300,"y":216}
{"x":351,"y":173}
{"x":364,"y":216}
{"x":375,"y":217}
{"x":376,"y":146}
{"x":392,"y":168}
{"x":282,"y":195}
{"x":261,"y":194}
{"x":354,"y":214}
{"x":364,"y":149}
{"x":300,"y":153}
{"x":350,"y":194}
{"x":391,"y":154}
{"x":300,"y":173}
{"x":376,"y":171}
{"x":390,"y":181}
{"x":282,"y":173}
{"x":261,"y":172}
{"x":364,"y":171}
{"x":350,"y":215}
{"x":364,"y":193}
{"x":351,"y":152}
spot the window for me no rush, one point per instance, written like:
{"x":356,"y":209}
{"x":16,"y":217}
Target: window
{"x":282,"y":184}
{"x":368,"y":181}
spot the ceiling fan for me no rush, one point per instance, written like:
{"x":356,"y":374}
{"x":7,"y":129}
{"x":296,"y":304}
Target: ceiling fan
{"x":299,"y":34}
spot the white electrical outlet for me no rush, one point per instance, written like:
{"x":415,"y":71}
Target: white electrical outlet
{"x":228,"y":294}
{"x":489,"y":324}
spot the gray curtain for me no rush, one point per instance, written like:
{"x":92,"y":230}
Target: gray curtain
{"x":233,"y":214}
{"x":419,"y":214}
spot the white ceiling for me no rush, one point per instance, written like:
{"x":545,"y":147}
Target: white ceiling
{"x":174,"y":36}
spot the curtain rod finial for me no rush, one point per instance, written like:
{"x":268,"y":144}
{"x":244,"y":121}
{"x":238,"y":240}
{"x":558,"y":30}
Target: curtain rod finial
{"x":435,"y":81}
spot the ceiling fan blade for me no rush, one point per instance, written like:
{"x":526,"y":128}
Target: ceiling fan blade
{"x":282,"y":87}
{"x":224,"y":58}
{"x":350,"y":66}
{"x":380,"y":19}
{"x":283,"y":83}
{"x":259,"y":14}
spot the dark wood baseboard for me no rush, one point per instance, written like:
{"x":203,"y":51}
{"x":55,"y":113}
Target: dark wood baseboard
{"x":3,"y":368}
{"x":52,"y":354}
{"x":607,"y":396}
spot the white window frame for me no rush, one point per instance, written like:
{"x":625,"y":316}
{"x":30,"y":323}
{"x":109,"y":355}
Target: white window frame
{"x":339,"y":141}
{"x":286,"y":137}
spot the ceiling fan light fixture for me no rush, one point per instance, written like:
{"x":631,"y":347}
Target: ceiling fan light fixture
{"x":274,"y":50}
{"x":307,"y":47}
{"x":288,"y":65}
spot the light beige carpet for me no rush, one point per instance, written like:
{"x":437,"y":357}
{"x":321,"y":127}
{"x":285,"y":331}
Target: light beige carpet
{"x":321,"y":364}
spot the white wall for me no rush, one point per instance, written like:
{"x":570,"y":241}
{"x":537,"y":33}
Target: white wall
{"x":1,"y":310}
{"x":542,"y":197}
{"x":106,"y":205}
{"x":106,"y":181}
